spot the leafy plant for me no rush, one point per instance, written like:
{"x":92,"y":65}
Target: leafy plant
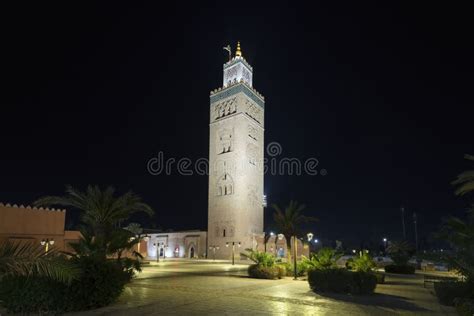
{"x":263,"y":272}
{"x":465,"y":180}
{"x":102,"y":211}
{"x":339,"y":280}
{"x":260,"y":258}
{"x":325,"y":258}
{"x":448,"y":291}
{"x":100,"y":283}
{"x":363,"y":263}
{"x":460,"y":233}
{"x":400,"y":252}
{"x":29,"y":259}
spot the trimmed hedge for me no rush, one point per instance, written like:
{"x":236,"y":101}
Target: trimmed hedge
{"x":261,"y":272}
{"x":464,"y":306}
{"x":400,"y":269}
{"x":339,"y":280}
{"x":380,"y":277}
{"x":101,"y":282}
{"x":447,"y":292}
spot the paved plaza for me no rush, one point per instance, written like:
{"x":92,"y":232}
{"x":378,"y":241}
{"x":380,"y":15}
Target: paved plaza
{"x":207,"y":288}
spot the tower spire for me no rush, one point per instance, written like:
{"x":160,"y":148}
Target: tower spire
{"x":238,"y":53}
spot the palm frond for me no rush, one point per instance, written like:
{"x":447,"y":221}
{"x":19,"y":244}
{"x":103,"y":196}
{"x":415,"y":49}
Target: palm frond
{"x":26,"y":258}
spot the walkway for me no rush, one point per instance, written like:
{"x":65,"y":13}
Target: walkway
{"x":203,"y":288}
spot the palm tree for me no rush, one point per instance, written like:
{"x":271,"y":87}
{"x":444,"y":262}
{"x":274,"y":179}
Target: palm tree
{"x":289,"y":223}
{"x":103,"y":212}
{"x":465,"y":181}
{"x":400,"y":251}
{"x":27,"y":259}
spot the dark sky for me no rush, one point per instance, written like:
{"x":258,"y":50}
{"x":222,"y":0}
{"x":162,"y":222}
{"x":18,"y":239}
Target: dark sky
{"x":382,"y":96}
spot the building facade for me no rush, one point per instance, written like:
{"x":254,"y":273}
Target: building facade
{"x":236,"y":131}
{"x":187,"y":244}
{"x":36,"y":225}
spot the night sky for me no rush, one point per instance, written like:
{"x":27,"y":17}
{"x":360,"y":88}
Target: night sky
{"x":381,"y":96}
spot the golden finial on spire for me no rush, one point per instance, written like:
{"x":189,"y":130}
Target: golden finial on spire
{"x":238,"y":53}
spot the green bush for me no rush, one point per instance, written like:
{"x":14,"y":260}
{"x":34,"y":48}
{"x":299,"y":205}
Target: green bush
{"x":380,"y":277}
{"x":21,"y":294}
{"x":100,"y":283}
{"x":339,"y":280}
{"x":400,"y":269}
{"x":262,"y":272}
{"x":363,"y":282}
{"x":325,"y":258}
{"x":329,"y":280}
{"x":400,"y":252}
{"x":464,"y":306}
{"x":301,"y":268}
{"x":447,"y":292}
{"x":363,"y":263}
{"x":261,"y":258}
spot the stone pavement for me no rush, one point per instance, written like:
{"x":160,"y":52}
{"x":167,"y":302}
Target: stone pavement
{"x":206,"y":288}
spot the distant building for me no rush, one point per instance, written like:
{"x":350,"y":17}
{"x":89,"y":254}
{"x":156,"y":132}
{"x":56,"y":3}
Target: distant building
{"x":184,"y":244}
{"x":37,"y":225}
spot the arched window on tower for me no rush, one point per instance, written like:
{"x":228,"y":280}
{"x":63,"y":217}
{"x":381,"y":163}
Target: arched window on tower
{"x":225,"y":185}
{"x":223,"y":233}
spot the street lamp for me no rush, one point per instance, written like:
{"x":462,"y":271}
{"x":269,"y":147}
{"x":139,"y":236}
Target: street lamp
{"x":310,"y":236}
{"x":385,"y":242}
{"x":214,"y":248}
{"x":266,"y":237}
{"x":46,"y":242}
{"x":233,"y":249}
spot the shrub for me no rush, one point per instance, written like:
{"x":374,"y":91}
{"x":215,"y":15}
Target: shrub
{"x":325,"y":258}
{"x":100,"y":283}
{"x":400,"y":269}
{"x":464,"y":306}
{"x":400,"y":252}
{"x":380,"y":277}
{"x":301,"y":268}
{"x":329,"y":280}
{"x":339,"y":280}
{"x":363,"y":263}
{"x":261,"y":258}
{"x":363,"y":282}
{"x":33,"y":294}
{"x":261,"y":272}
{"x":447,"y":292}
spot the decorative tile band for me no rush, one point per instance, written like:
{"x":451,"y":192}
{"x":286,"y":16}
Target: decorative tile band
{"x":240,"y":87}
{"x":236,"y":60}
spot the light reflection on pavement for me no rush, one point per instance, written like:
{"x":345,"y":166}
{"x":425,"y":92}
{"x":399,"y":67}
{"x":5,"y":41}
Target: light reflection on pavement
{"x":187,"y":287}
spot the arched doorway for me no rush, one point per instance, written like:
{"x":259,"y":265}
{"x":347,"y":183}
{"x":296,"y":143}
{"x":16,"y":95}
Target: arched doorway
{"x":281,"y":252}
{"x":161,"y":252}
{"x":191,"y":252}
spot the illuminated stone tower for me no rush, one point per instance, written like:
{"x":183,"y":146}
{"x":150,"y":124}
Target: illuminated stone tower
{"x":235,"y":160}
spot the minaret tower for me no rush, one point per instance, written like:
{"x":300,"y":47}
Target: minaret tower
{"x":235,"y":160}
